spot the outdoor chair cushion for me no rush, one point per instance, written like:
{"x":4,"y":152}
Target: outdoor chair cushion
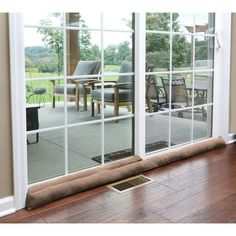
{"x":126,"y":67}
{"x":59,"y":89}
{"x":86,"y":68}
{"x":109,"y":95}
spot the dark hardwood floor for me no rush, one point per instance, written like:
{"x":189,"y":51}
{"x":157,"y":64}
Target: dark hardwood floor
{"x":200,"y":189}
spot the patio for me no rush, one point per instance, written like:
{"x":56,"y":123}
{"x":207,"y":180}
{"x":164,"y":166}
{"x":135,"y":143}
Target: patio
{"x":46,"y":158}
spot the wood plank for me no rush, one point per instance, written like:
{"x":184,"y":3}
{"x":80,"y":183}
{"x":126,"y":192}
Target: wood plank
{"x":108,"y":206}
{"x":182,"y":167}
{"x":223,"y":211}
{"x":190,"y":205}
{"x":24,"y":214}
{"x":213,"y":170}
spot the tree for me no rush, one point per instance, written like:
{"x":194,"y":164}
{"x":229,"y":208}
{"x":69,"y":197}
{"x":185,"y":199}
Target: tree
{"x":85,"y":44}
{"x":115,"y":54}
{"x":109,"y":54}
{"x":201,"y":47}
{"x":95,"y":53}
{"x":53,"y":39}
{"x":158,"y":46}
{"x":28,"y":66}
{"x":123,"y":52}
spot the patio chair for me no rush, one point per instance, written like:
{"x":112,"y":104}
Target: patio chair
{"x":77,"y":87}
{"x":120,"y":94}
{"x":154,"y":95}
{"x":179,"y":95}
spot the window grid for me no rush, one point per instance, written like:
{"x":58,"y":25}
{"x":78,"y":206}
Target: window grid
{"x":104,"y":75}
{"x":65,"y":78}
{"x":193,"y":71}
{"x":77,"y":28}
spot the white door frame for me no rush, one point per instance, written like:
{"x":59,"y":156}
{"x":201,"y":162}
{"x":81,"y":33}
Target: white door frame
{"x":20,"y":172}
{"x":221,"y":87}
{"x":222,"y":76}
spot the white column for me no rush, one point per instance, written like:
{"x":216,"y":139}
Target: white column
{"x":222,"y":76}
{"x":140,"y":58}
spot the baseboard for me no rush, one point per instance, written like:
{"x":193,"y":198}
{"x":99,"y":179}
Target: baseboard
{"x":7,"y":206}
{"x":232,"y":138}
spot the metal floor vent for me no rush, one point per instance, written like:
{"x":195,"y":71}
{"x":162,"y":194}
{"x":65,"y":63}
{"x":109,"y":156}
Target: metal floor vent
{"x":130,"y":183}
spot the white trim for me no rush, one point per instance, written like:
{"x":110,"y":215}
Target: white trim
{"x":102,"y":90}
{"x":81,"y":124}
{"x":164,"y":112}
{"x":44,"y":27}
{"x":7,"y":206}
{"x":193,"y":38}
{"x":18,"y":107}
{"x":232,"y":138}
{"x":179,"y":72}
{"x":222,"y":77}
{"x":140,"y":58}
{"x":44,"y":79}
{"x":77,"y":28}
{"x":170,"y":83}
{"x":105,"y":74}
{"x":65,"y":95}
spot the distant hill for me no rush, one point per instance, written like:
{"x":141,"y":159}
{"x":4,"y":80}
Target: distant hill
{"x":40,"y":55}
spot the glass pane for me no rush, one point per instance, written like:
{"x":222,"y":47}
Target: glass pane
{"x":40,"y":95}
{"x":83,"y":19}
{"x":118,"y":140}
{"x":81,"y":107}
{"x":83,"y":45}
{"x":43,"y":52}
{"x":202,"y":125}
{"x":204,"y":52}
{"x":158,"y":21}
{"x":117,"y":20}
{"x":45,"y":157}
{"x":155,"y":94}
{"x":182,"y":22}
{"x":84,"y":146}
{"x":205,"y":23}
{"x":83,"y":58}
{"x":182,"y":47}
{"x":181,"y":122}
{"x":181,"y":93}
{"x":203,"y":86}
{"x":43,"y":18}
{"x":118,"y":97}
{"x":117,"y":49}
{"x":157,"y":132}
{"x":157,"y":52}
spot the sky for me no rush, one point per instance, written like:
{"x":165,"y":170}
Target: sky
{"x":113,"y":20}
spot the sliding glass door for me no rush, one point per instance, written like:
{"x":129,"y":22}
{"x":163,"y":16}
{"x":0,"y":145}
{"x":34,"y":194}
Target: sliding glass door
{"x":179,"y":78}
{"x":79,"y":77}
{"x":81,"y":86}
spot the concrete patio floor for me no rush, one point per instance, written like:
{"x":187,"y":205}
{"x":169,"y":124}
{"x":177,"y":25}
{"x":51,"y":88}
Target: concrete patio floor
{"x":46,"y":158}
